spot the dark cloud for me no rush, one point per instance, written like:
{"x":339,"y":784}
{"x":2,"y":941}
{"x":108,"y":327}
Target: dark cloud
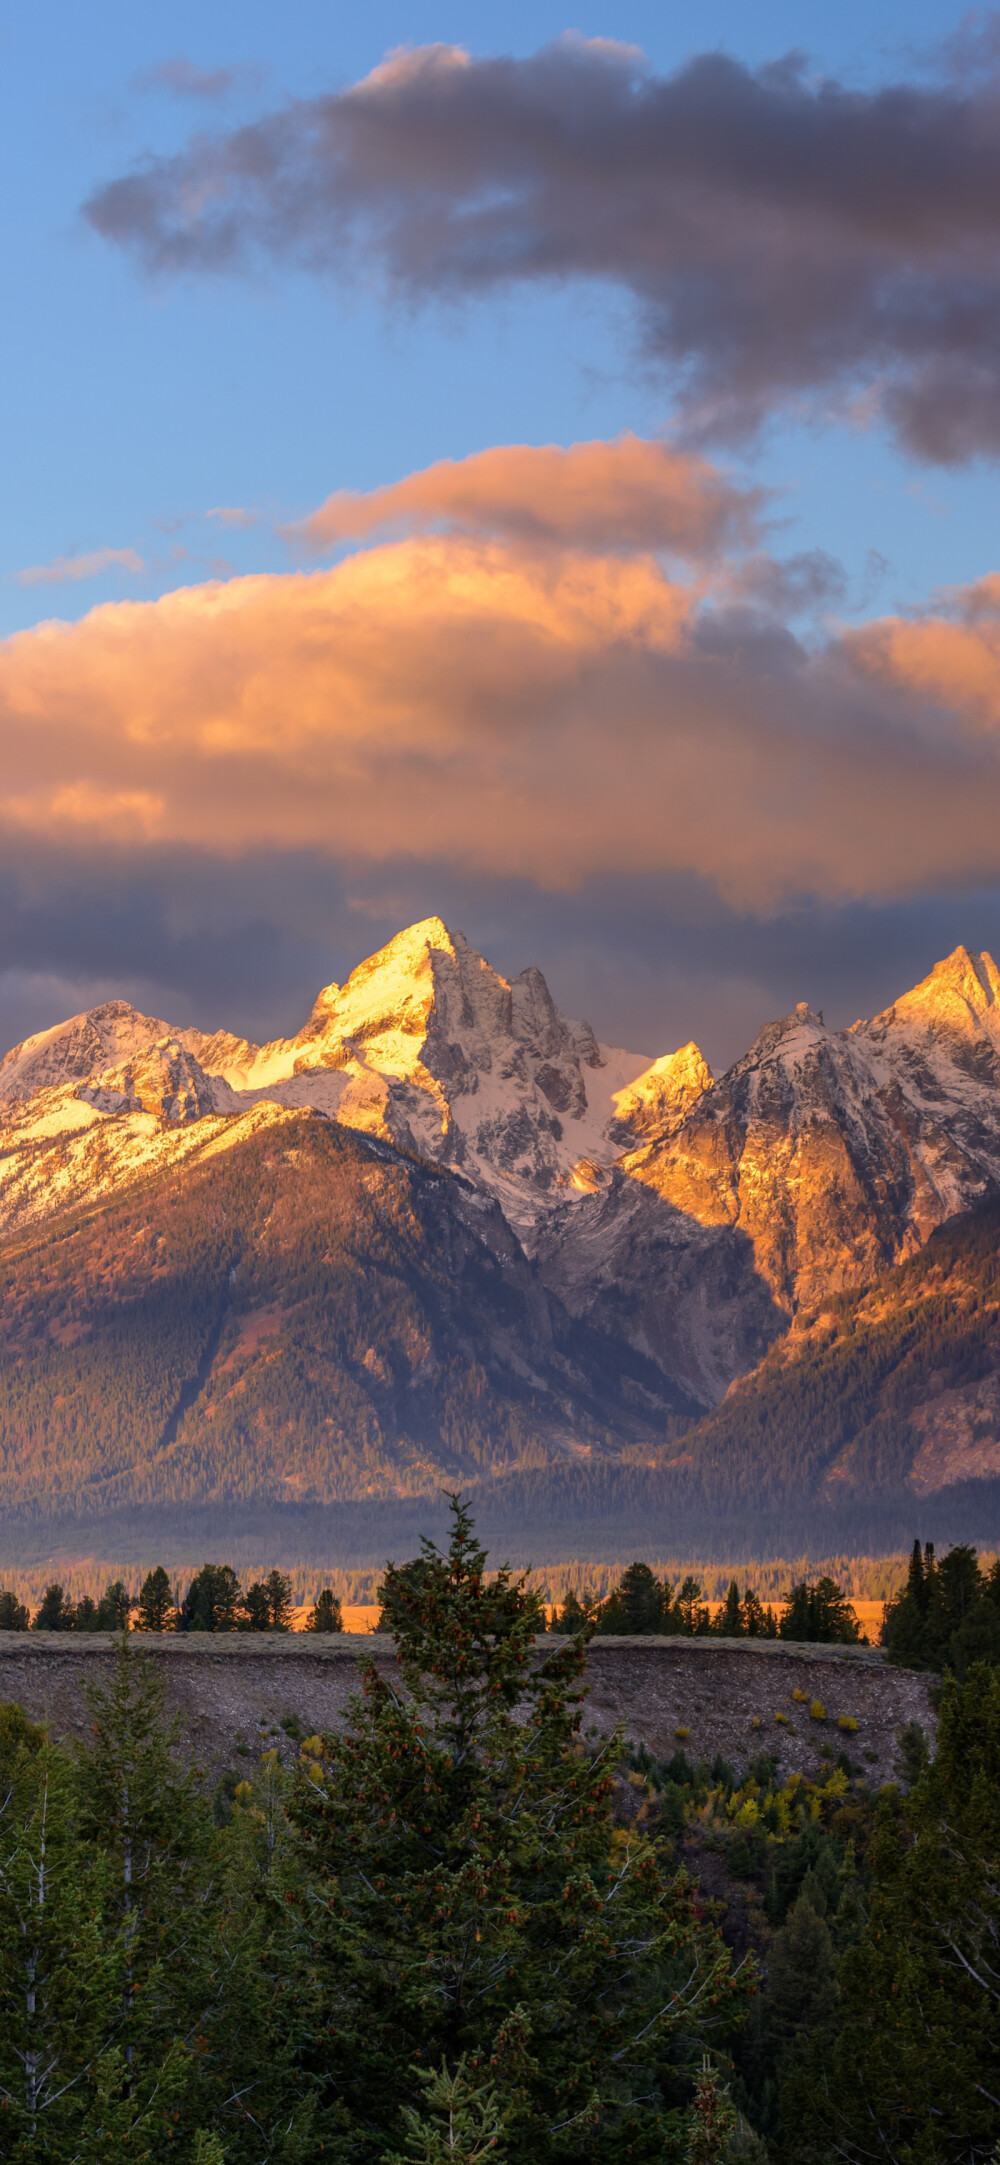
{"x":181,"y":78}
{"x":784,"y":239}
{"x":651,"y":962}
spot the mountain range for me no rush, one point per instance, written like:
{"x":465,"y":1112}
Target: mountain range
{"x":443,"y":1235}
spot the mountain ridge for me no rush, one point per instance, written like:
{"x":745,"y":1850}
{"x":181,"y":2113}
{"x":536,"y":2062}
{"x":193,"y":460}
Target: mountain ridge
{"x":675,"y":1223}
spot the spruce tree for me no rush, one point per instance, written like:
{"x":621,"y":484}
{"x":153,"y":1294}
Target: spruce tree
{"x":470,"y":1901}
{"x":156,"y":1603}
{"x":730,"y":1620}
{"x":212,"y":1601}
{"x":140,"y":1808}
{"x":326,"y":1614}
{"x":914,"y":2072}
{"x":13,"y":1614}
{"x":54,"y":1613}
{"x":60,"y":1968}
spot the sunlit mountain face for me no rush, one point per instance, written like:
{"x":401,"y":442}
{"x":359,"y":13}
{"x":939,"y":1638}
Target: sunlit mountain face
{"x":443,"y":1234}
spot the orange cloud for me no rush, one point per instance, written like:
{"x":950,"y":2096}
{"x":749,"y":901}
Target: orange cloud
{"x":88,"y":566}
{"x":541,"y":715}
{"x":626,"y":495}
{"x":950,"y":661}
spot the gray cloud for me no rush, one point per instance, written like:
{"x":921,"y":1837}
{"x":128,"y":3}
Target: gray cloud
{"x":181,"y":78}
{"x":784,"y":239}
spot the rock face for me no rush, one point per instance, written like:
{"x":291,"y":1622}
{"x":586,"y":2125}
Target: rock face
{"x":677,"y":1218}
{"x":838,"y":1152}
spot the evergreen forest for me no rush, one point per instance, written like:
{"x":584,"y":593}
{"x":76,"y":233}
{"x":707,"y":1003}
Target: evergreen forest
{"x":463,"y":1927}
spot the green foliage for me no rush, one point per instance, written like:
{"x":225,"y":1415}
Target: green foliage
{"x":325,"y":1615}
{"x":13,"y":1614}
{"x":156,"y":1602}
{"x":54,"y":1613}
{"x":472,"y":1900}
{"x":267,"y":1604}
{"x":819,"y":1614}
{"x":915,"y":2063}
{"x":948,"y":1614}
{"x":213,"y":1600}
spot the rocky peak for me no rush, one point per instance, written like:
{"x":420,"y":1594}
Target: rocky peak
{"x":165,"y":1081}
{"x":654,"y":1105}
{"x":76,"y":1049}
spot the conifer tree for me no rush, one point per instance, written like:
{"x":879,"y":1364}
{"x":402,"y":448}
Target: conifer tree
{"x":326,"y":1614}
{"x":114,"y":1608}
{"x":470,"y":1900}
{"x":690,"y":1609}
{"x":212,"y":1601}
{"x":141,"y":1810}
{"x":155,"y":1609}
{"x":13,"y":1614}
{"x":915,"y":2069}
{"x":730,"y":1620}
{"x":60,"y":1971}
{"x":54,"y":1613}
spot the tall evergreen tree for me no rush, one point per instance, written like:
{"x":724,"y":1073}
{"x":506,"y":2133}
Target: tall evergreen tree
{"x":470,"y":1900}
{"x":914,"y":2072}
{"x":13,"y":1614}
{"x":212,"y":1601}
{"x":54,"y":1612}
{"x":326,"y":1614}
{"x":156,"y":1602}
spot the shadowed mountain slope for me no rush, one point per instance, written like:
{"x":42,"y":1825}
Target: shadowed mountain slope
{"x":291,"y":1312}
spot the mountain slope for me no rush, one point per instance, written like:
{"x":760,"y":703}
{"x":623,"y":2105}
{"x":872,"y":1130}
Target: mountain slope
{"x":891,"y":1391}
{"x":291,"y":1311}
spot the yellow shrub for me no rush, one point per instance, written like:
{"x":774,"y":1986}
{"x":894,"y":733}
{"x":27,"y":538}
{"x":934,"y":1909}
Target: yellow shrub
{"x":799,"y":1694}
{"x":783,"y":1718}
{"x":755,"y":1723}
{"x":817,"y":1710}
{"x":681,"y":1734}
{"x":846,"y":1721}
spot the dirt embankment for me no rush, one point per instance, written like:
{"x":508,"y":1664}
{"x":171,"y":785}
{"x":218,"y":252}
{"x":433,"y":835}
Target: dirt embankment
{"x":233,"y":1693}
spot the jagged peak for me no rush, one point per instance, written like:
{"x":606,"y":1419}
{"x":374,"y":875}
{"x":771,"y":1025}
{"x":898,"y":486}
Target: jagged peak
{"x":962,"y":989}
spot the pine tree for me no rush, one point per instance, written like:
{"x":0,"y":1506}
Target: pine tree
{"x":13,"y":1614}
{"x":690,"y":1609}
{"x":637,"y":1606}
{"x":60,"y":1970}
{"x":114,"y":1608}
{"x":213,"y":1600}
{"x":141,"y":1811}
{"x":915,"y":2070}
{"x":156,"y":1603}
{"x":256,"y":1608}
{"x":326,"y":1614}
{"x":730,"y":1620}
{"x":55,"y":1613}
{"x":576,"y":1615}
{"x":470,"y":1899}
{"x":279,"y":1600}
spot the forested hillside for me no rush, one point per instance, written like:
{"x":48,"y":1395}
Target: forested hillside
{"x":891,"y":1391}
{"x":302,"y":1314}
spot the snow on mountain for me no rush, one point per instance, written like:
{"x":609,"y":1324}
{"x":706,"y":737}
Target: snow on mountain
{"x":837,"y":1152}
{"x":430,"y":1048}
{"x":688,"y":1214}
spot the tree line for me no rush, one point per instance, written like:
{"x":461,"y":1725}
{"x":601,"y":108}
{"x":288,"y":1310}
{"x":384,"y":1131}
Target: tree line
{"x":466,"y":1928}
{"x":642,"y":1603}
{"x":215,"y":1601}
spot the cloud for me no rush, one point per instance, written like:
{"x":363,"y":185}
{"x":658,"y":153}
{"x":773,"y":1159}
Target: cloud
{"x":233,"y":515}
{"x":553,"y":716}
{"x":181,"y":78}
{"x":784,"y":239}
{"x":625,"y":495}
{"x":88,"y":566}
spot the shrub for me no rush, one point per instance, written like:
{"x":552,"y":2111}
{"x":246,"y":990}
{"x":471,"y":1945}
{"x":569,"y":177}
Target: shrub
{"x":846,"y":1721}
{"x":755,"y":1721}
{"x":682,"y":1734}
{"x":817,"y":1710}
{"x":782,"y":1718}
{"x":799,"y":1694}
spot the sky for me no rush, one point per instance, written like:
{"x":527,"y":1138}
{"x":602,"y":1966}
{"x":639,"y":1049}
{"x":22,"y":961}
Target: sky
{"x":533,"y":468}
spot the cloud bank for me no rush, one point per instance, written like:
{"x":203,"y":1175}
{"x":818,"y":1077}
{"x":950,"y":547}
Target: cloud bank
{"x":783,"y":239}
{"x":553,"y":714}
{"x":620,"y":496}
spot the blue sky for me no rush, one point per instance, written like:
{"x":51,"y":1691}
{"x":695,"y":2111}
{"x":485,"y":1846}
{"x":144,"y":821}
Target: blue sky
{"x":134,"y":406}
{"x":138,"y":409}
